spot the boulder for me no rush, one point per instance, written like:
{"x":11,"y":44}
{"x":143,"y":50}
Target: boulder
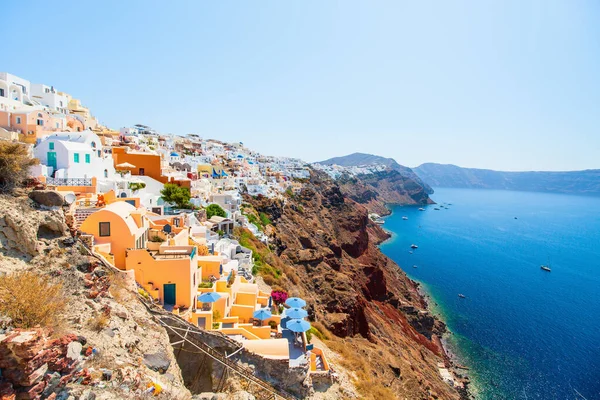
{"x":159,"y":362}
{"x":48,"y":198}
{"x":74,"y":350}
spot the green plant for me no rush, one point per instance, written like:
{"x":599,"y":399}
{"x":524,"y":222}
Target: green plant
{"x":216,"y":316}
{"x":177,"y":195}
{"x":156,"y":239}
{"x":136,"y":185}
{"x":215,"y":325}
{"x":264,"y":219}
{"x":205,"y":285}
{"x":220,"y":232}
{"x":215,"y":209}
{"x":273,"y":325}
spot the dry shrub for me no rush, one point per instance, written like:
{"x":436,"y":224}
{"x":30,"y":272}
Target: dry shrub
{"x":269,"y":280}
{"x":326,"y":335}
{"x":14,"y":164}
{"x":98,"y":322}
{"x":30,"y":300}
{"x":119,"y":288}
{"x":368,"y":385}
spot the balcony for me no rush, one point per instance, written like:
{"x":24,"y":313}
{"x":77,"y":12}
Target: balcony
{"x":68,"y":181}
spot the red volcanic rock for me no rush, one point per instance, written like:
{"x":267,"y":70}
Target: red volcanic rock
{"x":25,"y":358}
{"x":327,"y":247}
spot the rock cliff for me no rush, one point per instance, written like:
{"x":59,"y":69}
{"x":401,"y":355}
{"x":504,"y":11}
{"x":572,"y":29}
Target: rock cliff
{"x":102,"y":345}
{"x":379,"y":322}
{"x":376,"y":190}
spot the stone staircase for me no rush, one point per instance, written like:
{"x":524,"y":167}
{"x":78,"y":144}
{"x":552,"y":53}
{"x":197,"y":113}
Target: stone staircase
{"x":81,"y":214}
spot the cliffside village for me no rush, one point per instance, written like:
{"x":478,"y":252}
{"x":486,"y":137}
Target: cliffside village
{"x":182,"y":260}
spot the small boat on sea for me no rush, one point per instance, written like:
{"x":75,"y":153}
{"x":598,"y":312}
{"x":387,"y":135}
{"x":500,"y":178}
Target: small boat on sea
{"x":410,"y":252}
{"x":545,"y":268}
{"x":421,"y":209}
{"x":405,"y":218}
{"x":462,"y":296}
{"x":436,"y":208}
{"x":413,"y":246}
{"x":414,"y":266}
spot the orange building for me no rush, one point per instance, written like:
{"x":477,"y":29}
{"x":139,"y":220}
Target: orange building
{"x":145,"y":164}
{"x":119,"y":225}
{"x":31,"y":125}
{"x":169,"y":274}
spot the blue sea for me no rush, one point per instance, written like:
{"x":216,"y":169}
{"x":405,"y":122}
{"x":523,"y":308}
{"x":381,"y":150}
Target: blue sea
{"x":523,"y":332}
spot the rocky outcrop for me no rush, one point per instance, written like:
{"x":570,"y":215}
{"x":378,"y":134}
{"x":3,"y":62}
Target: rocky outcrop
{"x":24,"y":229}
{"x":47,"y":198}
{"x":376,"y":190}
{"x":355,"y":291}
{"x":105,"y":333}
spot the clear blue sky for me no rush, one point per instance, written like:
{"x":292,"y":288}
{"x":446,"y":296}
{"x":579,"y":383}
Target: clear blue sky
{"x":511,"y":85}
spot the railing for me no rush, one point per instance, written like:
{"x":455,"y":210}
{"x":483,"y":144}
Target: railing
{"x":68,"y":181}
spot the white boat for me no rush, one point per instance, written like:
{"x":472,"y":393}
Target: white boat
{"x":413,"y":246}
{"x":405,"y":218}
{"x":421,"y":209}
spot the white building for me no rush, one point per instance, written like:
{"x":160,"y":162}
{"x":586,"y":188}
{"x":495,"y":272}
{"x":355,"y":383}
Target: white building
{"x":75,"y":155}
{"x":14,"y":91}
{"x":49,"y":97}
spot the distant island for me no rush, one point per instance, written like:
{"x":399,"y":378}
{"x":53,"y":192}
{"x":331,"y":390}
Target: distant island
{"x":448,"y":175}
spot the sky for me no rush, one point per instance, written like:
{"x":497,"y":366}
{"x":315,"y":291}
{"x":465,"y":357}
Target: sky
{"x":500,"y":84}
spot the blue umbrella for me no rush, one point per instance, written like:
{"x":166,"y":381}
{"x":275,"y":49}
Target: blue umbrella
{"x":296,"y":313}
{"x":262,"y":314}
{"x":295,"y":302}
{"x":209,"y":297}
{"x":297,"y":325}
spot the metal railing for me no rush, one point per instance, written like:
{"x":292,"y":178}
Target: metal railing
{"x":69,"y":181}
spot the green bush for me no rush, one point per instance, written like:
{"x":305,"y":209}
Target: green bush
{"x":215,"y":209}
{"x":174,"y":194}
{"x":264,"y":219}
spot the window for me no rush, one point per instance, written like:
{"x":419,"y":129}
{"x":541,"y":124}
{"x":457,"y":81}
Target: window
{"x":40,"y":115}
{"x":40,"y":122}
{"x":87,"y":158}
{"x":18,"y":120}
{"x":76,"y":157}
{"x":106,"y":173}
{"x":104,"y":229}
{"x":93,"y":145}
{"x":51,"y":145}
{"x":56,"y":125}
{"x":2,"y":92}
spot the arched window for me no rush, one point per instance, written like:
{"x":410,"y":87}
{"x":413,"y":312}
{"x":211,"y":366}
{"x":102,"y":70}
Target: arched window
{"x":40,"y":115}
{"x":93,"y":145}
{"x":106,"y":173}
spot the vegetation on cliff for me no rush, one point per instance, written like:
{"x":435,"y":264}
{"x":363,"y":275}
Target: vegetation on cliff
{"x":373,"y":313}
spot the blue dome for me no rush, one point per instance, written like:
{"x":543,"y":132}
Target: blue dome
{"x":173,"y":154}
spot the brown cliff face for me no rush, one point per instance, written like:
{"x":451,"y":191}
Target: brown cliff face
{"x":379,"y":319}
{"x":376,"y":190}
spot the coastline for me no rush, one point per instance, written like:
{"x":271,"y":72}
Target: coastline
{"x":451,"y":360}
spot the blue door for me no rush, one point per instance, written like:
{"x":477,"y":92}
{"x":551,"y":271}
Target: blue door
{"x":169,"y":293}
{"x":52,"y":160}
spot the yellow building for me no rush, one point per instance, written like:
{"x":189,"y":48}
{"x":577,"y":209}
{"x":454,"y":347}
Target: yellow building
{"x":169,"y":274}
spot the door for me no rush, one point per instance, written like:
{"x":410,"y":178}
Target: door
{"x":169,"y":293}
{"x":52,"y":160}
{"x":202,"y":323}
{"x":142,"y":171}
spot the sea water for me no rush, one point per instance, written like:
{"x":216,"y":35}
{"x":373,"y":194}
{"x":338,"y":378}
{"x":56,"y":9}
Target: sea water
{"x":524,"y":333}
